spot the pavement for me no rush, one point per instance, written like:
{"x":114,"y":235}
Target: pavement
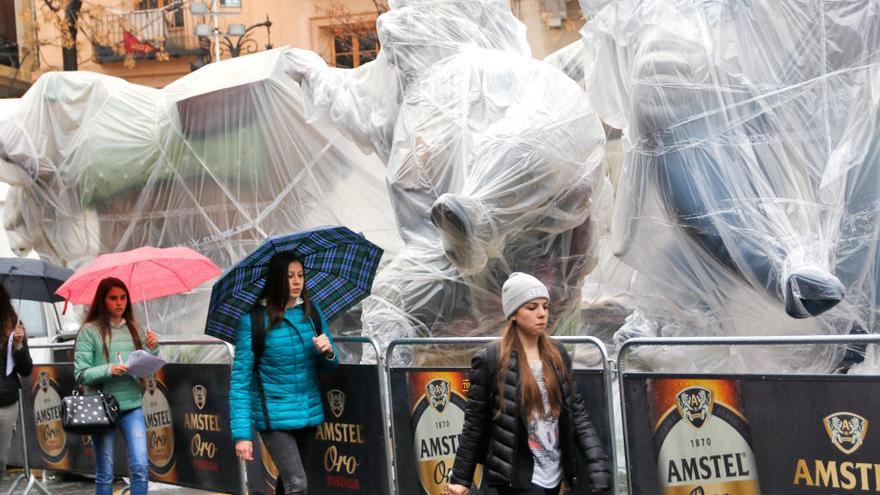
{"x":70,"y":484}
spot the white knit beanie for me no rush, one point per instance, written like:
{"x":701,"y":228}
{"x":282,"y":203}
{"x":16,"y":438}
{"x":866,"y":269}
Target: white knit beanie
{"x":519,"y":289}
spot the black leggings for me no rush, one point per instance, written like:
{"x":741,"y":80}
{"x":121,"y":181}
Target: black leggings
{"x":534,"y":490}
{"x":289,"y":449}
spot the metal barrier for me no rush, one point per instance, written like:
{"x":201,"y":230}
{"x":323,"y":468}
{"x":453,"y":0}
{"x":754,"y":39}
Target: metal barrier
{"x":230,"y":352}
{"x":384,"y":396}
{"x":349,"y":452}
{"x":27,"y":474}
{"x":629,"y":345}
{"x":33,"y":483}
{"x":607,"y":372}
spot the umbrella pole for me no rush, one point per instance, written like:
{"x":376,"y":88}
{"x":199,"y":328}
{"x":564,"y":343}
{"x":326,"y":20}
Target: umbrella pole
{"x":54,"y":308}
{"x":57,"y":319}
{"x":146,"y":315}
{"x":144,"y":302}
{"x":18,"y":310}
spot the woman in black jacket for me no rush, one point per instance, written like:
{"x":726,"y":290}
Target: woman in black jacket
{"x":525,"y":420}
{"x":22,"y":365}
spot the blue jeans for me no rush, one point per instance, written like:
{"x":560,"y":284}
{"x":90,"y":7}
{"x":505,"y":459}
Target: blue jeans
{"x":134,"y":430}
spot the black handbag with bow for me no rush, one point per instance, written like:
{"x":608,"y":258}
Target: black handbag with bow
{"x":89,"y":414}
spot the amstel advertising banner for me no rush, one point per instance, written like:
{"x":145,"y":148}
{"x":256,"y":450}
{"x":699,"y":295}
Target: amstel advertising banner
{"x":186,"y":411}
{"x":743,"y":435}
{"x":347,"y":454}
{"x":55,"y":449}
{"x":428,"y":406}
{"x":186,"y":414}
{"x":49,"y":446}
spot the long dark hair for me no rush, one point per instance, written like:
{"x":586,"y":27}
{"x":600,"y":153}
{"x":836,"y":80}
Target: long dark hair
{"x":99,"y":315}
{"x":530,"y":400}
{"x":277,"y":291}
{"x":8,"y":317}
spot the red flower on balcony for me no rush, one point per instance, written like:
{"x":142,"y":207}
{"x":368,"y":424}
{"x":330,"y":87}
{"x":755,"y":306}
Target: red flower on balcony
{"x":134,"y":45}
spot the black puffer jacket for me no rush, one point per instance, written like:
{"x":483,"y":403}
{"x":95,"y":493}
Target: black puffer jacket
{"x":500,"y":442}
{"x":9,"y":385}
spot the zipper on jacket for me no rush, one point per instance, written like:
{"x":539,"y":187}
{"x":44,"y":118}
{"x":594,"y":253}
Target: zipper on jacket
{"x":515,"y":359}
{"x":303,"y":344}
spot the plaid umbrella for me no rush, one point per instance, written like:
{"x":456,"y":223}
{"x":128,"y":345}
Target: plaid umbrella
{"x":339,"y":268}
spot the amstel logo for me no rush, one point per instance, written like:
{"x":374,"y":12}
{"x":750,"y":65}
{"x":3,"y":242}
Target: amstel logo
{"x":695,"y":404}
{"x":200,"y":394}
{"x":336,"y":400}
{"x":437,"y":393}
{"x":846,"y":430}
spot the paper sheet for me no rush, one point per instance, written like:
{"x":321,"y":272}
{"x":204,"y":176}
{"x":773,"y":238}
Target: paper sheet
{"x":10,"y":364}
{"x":141,"y":363}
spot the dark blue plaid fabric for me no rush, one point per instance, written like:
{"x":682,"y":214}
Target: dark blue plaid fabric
{"x":339,"y":267}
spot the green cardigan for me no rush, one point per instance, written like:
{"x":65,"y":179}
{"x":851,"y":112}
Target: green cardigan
{"x":92,"y":369}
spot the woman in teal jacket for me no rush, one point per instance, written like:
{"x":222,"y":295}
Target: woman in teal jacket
{"x":280,"y":396}
{"x":104,"y":342}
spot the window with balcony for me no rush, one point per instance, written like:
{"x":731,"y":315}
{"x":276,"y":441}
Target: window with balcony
{"x":156,"y":30}
{"x":8,"y":34}
{"x":353,"y":49}
{"x":176,"y":17}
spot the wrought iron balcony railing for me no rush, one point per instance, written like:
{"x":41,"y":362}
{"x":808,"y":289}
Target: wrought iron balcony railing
{"x":146,"y":34}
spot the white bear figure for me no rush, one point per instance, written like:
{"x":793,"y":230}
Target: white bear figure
{"x":748,"y":201}
{"x":215,"y":161}
{"x":492,"y":160}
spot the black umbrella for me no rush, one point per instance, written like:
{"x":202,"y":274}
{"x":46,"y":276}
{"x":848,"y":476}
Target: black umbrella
{"x":33,"y":280}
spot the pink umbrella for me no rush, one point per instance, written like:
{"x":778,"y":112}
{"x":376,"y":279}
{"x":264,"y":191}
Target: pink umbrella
{"x":148,"y":272}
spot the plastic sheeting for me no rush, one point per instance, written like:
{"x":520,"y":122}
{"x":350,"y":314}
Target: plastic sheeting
{"x":216,"y":161}
{"x":492,"y":160}
{"x":749,"y":196}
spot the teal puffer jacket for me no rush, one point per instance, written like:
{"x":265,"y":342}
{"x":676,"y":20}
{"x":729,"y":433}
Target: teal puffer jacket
{"x":288,"y":369}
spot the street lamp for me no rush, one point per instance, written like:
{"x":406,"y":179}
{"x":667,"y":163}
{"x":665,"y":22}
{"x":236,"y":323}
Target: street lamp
{"x":243,"y":39}
{"x":240,"y":32}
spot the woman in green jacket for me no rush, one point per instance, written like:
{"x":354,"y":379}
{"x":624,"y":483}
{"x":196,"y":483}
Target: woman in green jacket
{"x":103,"y":344}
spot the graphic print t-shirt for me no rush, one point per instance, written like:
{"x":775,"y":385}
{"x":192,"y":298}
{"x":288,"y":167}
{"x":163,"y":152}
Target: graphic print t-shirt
{"x":544,"y":439}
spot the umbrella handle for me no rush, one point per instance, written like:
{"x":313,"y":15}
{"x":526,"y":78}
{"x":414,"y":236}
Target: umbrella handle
{"x":147,"y":316}
{"x":144,"y":302}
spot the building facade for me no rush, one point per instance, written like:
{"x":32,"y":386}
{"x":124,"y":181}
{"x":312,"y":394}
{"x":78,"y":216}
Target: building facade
{"x":17,"y":47}
{"x":154,"y":42}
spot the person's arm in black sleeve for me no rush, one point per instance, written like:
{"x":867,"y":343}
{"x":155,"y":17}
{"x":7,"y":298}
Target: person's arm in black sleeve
{"x":474,"y":435}
{"x":21,"y":358}
{"x":598,"y":467}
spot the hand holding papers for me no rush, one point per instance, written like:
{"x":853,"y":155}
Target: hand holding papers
{"x":141,"y":363}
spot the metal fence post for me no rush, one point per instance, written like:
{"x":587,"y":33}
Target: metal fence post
{"x":28,"y":474}
{"x":385,"y":402}
{"x":242,"y":477}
